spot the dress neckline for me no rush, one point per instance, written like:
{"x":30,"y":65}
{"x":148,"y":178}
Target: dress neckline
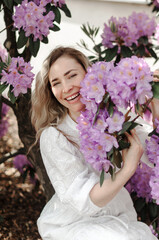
{"x":71,"y":122}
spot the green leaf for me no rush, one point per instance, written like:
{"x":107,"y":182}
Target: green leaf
{"x":123,"y":145}
{"x":155,"y":89}
{"x":112,"y":171}
{"x":151,"y":51}
{"x":55,"y":28}
{"x":3,"y":87}
{"x":84,"y":29}
{"x":102,"y":177}
{"x":117,"y":158}
{"x":139,"y":204}
{"x":153,"y":210}
{"x":18,"y":1}
{"x":106,"y":98}
{"x":110,"y":153}
{"x":153,"y":133}
{"x":66,"y":10}
{"x":133,"y":125}
{"x":141,"y":50}
{"x":57,"y":14}
{"x":111,"y":53}
{"x":22,"y":40}
{"x":8,"y":3}
{"x":11,"y":95}
{"x":125,"y":127}
{"x":111,"y":108}
{"x":2,"y":66}
{"x":34,"y":46}
{"x":45,"y":40}
{"x":126,"y":51}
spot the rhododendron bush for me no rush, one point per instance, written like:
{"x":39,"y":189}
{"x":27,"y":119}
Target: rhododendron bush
{"x":120,"y":80}
{"x":27,"y":24}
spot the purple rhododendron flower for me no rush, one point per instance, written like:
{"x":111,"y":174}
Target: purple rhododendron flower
{"x":124,"y":31}
{"x":20,"y":162}
{"x":31,"y":17}
{"x":18,"y":75}
{"x":139,"y":182}
{"x":115,"y":122}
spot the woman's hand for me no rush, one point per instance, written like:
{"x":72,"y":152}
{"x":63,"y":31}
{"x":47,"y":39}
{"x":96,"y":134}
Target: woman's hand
{"x":132,"y":155}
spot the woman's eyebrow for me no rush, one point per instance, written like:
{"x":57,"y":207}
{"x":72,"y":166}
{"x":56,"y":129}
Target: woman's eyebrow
{"x":69,"y":71}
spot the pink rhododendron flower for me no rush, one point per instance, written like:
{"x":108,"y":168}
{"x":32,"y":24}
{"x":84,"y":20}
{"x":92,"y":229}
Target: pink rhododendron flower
{"x":18,"y":75}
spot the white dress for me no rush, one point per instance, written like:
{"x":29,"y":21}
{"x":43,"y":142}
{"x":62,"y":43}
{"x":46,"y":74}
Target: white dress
{"x":70,"y":214}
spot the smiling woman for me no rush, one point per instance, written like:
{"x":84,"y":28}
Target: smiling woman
{"x":81,"y":209}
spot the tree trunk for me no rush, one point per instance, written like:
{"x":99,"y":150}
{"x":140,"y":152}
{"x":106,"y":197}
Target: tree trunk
{"x":22,"y":110}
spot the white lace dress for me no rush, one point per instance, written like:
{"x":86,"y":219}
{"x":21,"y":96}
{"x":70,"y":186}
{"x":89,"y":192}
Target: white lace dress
{"x":70,"y":214}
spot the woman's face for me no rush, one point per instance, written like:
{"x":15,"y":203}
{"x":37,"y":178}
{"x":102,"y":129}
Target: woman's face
{"x":65,"y":76}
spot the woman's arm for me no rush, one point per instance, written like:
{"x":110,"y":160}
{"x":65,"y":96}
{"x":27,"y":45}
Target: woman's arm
{"x":100,"y":196}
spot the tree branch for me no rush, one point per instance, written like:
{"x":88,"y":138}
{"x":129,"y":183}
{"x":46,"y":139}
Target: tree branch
{"x":10,"y":155}
{"x":7,"y":102}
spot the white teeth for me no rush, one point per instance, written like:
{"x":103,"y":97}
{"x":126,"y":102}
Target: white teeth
{"x":72,"y":97}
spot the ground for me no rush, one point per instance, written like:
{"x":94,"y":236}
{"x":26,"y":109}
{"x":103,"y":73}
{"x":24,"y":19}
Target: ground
{"x":20,"y":203}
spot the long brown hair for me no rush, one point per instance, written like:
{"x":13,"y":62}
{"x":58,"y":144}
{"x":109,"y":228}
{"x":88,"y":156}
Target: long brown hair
{"x":46,"y":110}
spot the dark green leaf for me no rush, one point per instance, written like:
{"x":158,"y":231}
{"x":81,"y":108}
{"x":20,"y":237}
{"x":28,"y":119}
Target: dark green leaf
{"x":111,"y":108}
{"x":153,"y":210}
{"x":3,"y":87}
{"x":55,"y":28}
{"x":57,"y":14}
{"x":2,"y":66}
{"x":111,"y":53}
{"x":133,"y":125}
{"x":45,"y":40}
{"x":126,"y":51}
{"x":102,"y":177}
{"x":84,"y":29}
{"x":139,"y":204}
{"x":151,"y":51}
{"x":110,"y":153}
{"x":22,"y":40}
{"x":112,"y":171}
{"x":8,"y":3}
{"x":155,"y":89}
{"x":125,"y":127}
{"x":66,"y":10}
{"x":141,"y":50}
{"x":34,"y":46}
{"x":117,"y":158}
{"x":106,"y":98}
{"x":18,"y":1}
{"x":123,"y":145}
{"x":153,"y":133}
{"x":11,"y":95}
{"x":143,"y":40}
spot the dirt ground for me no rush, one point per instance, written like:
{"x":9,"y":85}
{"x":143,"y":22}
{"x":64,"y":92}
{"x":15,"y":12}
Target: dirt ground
{"x":20,"y":203}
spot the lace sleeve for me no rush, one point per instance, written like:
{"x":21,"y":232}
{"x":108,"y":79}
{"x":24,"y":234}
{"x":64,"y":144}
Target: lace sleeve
{"x":69,"y":176}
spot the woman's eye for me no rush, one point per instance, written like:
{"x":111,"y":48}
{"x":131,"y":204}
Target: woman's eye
{"x":73,"y":75}
{"x":54,"y":84}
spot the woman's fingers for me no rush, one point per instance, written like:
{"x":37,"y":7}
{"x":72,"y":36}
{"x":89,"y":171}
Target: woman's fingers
{"x":155,"y":74}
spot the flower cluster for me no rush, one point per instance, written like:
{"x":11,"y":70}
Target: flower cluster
{"x":153,"y":155}
{"x":18,"y":75}
{"x":156,"y":3}
{"x":97,"y":136}
{"x":104,"y":90}
{"x":139,"y":182}
{"x":130,"y":82}
{"x":22,"y":164}
{"x":32,"y":18}
{"x":59,"y":3}
{"x":127,"y":31}
{"x":3,"y":120}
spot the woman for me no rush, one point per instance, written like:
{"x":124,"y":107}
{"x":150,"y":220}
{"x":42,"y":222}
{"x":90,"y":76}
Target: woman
{"x":80,"y":208}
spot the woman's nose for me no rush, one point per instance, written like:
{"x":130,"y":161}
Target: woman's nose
{"x":67,"y":88}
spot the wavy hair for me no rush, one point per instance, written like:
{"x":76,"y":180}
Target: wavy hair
{"x":46,"y":110}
